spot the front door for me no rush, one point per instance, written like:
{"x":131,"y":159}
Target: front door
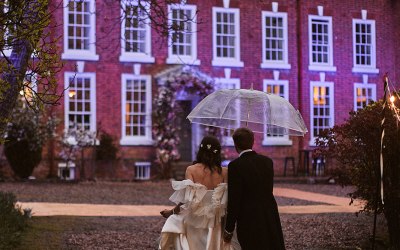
{"x":185,"y":132}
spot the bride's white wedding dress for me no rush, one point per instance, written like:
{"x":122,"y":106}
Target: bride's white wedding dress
{"x":199,"y":224}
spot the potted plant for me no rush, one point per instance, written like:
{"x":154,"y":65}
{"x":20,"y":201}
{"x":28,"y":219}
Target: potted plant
{"x":26,"y":133}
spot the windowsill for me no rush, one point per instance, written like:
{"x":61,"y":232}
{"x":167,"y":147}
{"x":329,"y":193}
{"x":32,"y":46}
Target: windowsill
{"x":227,"y":63}
{"x":276,"y":65}
{"x":322,"y":68}
{"x":80,"y":56}
{"x":365,"y":70}
{"x":182,"y":60}
{"x":129,"y":141}
{"x":133,"y":57}
{"x":271,"y":142}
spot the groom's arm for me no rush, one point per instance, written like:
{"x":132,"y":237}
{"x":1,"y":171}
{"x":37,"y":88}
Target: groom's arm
{"x":235,"y":190}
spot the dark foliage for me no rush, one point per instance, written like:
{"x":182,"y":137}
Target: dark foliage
{"x":12,"y":221}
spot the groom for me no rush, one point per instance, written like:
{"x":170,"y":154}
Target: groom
{"x":251,"y":204}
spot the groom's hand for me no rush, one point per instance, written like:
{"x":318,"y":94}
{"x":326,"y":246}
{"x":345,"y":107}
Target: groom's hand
{"x":227,"y":236}
{"x":166,"y":213}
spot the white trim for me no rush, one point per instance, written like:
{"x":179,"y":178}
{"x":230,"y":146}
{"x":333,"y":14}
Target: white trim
{"x":321,"y":66}
{"x":143,"y":57}
{"x":275,"y":64}
{"x":136,"y":140}
{"x":92,"y":77}
{"x":221,"y":83}
{"x":371,"y":86}
{"x":81,"y":54}
{"x":277,"y":140}
{"x":359,"y":68}
{"x":226,"y":61}
{"x":331,"y":96}
{"x":192,"y":22}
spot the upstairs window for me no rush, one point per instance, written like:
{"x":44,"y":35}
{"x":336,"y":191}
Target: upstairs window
{"x":79,"y":30}
{"x":182,"y":47}
{"x":320,"y":43}
{"x":364,"y":46}
{"x":135,"y":32}
{"x":275,"y":40}
{"x":226,"y":37}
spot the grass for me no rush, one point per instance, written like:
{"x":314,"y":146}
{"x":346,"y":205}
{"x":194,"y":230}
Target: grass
{"x":47,"y":232}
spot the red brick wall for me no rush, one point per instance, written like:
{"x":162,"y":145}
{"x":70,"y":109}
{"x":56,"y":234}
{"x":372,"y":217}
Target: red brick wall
{"x":108,"y":69}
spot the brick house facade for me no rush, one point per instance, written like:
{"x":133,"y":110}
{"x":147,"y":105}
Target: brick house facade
{"x":326,"y":57}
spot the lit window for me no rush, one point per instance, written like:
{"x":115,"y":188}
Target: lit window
{"x":322,"y":109}
{"x":280,"y":88}
{"x":364,"y":46}
{"x":226,"y":37}
{"x":320,"y":43}
{"x":364,"y":94}
{"x":275,"y":40}
{"x":136,"y":110}
{"x":135,"y":32}
{"x":79,"y":30}
{"x":80,"y":101}
{"x":182,"y":47}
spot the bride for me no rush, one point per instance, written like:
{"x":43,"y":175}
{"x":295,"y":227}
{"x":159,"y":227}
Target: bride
{"x":196,"y":222}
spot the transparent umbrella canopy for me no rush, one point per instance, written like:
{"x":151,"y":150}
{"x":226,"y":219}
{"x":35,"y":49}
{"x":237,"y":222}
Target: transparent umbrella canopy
{"x":259,"y":111}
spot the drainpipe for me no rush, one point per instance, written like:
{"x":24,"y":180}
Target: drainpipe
{"x":299,"y":65}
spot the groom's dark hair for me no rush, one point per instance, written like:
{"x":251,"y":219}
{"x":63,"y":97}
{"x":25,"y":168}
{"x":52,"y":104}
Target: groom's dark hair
{"x":243,"y":138}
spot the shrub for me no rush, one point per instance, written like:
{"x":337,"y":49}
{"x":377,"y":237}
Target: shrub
{"x":356,"y":146}
{"x":12,"y":221}
{"x":25,"y":135}
{"x":106,"y":150}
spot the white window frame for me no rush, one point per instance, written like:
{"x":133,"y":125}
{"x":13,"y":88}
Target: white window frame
{"x":192,"y":21}
{"x":142,"y":170}
{"x":72,"y":54}
{"x":370,"y":86}
{"x":277,"y":140}
{"x":330,"y":85}
{"x":221,"y":83}
{"x":74,"y":75}
{"x":317,"y":66}
{"x":143,"y":57}
{"x":222,"y":61}
{"x":275,"y":64}
{"x":136,"y":140}
{"x":359,"y":68}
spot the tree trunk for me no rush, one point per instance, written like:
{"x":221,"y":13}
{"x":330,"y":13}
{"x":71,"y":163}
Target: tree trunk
{"x":14,"y":73}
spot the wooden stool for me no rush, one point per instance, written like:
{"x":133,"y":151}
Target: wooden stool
{"x":287,"y":159}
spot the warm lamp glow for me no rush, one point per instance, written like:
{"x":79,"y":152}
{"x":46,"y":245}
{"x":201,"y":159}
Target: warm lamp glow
{"x":71,"y":93}
{"x":391,"y":98}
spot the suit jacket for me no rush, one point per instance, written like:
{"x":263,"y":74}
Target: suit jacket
{"x":251,"y":204}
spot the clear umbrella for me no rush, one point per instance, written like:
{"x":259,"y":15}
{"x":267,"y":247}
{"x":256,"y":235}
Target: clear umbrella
{"x":259,"y":111}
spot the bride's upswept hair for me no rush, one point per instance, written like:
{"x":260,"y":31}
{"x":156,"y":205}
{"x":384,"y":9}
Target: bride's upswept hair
{"x":209,"y":153}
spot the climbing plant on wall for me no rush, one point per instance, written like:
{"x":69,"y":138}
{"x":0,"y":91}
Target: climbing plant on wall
{"x":166,"y":110}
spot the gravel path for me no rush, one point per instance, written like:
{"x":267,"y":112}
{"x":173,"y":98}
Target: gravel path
{"x":301,"y":231}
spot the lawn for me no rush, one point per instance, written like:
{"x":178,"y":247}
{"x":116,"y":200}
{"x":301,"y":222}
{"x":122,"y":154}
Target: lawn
{"x":301,"y":231}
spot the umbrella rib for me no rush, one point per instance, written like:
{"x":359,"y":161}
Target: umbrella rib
{"x":226,"y":106}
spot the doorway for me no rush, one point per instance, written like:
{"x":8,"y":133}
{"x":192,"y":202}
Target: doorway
{"x":185,"y":132}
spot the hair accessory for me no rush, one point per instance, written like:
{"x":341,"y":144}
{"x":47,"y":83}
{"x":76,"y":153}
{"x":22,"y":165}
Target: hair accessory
{"x":215,"y":151}
{"x":208,"y":146}
{"x":201,"y":145}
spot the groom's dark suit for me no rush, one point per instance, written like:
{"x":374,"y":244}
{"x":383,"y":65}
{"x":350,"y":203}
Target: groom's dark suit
{"x":251,"y":203}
